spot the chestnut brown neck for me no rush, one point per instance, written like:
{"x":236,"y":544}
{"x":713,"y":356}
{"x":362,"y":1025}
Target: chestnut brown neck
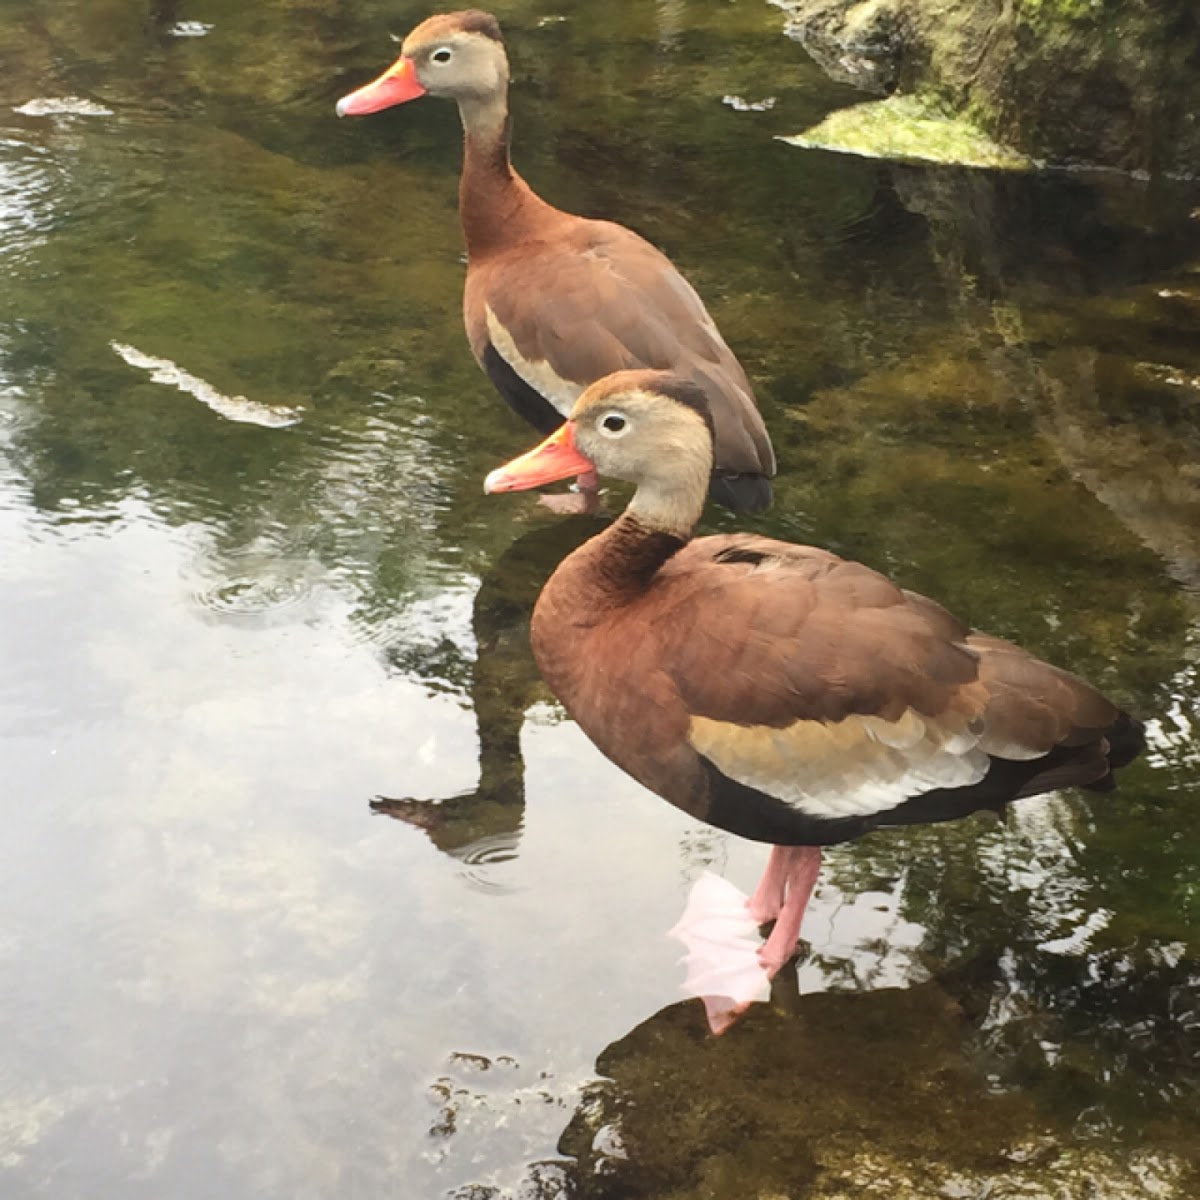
{"x":610,"y":571}
{"x":497,"y":207}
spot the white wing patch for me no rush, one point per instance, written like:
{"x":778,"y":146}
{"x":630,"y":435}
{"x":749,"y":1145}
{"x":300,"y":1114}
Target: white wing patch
{"x":849,"y":768}
{"x":540,"y":375}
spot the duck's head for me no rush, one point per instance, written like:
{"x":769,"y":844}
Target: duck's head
{"x":459,"y":55}
{"x":650,"y":428}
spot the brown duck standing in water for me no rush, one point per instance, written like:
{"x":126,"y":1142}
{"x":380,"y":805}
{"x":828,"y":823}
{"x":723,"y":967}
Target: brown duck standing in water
{"x":774,"y":690}
{"x":554,"y":302}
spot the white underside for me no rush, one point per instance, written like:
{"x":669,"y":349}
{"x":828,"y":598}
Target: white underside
{"x":540,"y":375}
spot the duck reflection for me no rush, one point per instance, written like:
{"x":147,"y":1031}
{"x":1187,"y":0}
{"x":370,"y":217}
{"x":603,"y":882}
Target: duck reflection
{"x":884,"y":1093}
{"x":994,"y":1075}
{"x":485,"y":824}
{"x":806,"y":1086}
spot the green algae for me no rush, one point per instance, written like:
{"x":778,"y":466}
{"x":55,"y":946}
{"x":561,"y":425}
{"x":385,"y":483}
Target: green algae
{"x":1066,"y":82}
{"x":1063,"y":11}
{"x":909,"y":129}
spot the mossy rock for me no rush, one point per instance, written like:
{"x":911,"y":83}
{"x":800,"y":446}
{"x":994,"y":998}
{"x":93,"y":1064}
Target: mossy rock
{"x":909,"y":129}
{"x":1092,"y":82}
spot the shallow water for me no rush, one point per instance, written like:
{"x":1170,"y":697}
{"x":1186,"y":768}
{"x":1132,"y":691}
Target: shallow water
{"x":249,"y":585}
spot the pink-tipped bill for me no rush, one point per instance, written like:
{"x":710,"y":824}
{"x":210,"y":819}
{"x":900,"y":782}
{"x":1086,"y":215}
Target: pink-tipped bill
{"x":396,"y":85}
{"x":556,"y":458}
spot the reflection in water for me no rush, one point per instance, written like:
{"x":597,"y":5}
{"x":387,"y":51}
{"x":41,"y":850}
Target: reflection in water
{"x":216,"y":973}
{"x":26,"y":195}
{"x":896,"y":1093}
{"x":721,"y":940}
{"x":232,"y":408}
{"x":484,"y":825}
{"x":257,"y":580}
{"x":892,"y":1093}
{"x":1127,"y":428}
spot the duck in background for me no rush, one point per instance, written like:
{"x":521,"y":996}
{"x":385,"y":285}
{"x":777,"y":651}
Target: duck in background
{"x":778,"y":691}
{"x":554,"y":302}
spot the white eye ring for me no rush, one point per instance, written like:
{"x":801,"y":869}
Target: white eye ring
{"x":614,"y":424}
{"x":442,"y":55}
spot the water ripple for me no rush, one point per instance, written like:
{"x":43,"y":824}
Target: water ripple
{"x":253,"y":597}
{"x":256,"y":581}
{"x":481,"y":858}
{"x":26,"y":194}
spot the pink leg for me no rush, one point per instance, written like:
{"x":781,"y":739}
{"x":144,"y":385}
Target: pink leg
{"x":767,"y":901}
{"x":803,"y":863}
{"x":585,"y":499}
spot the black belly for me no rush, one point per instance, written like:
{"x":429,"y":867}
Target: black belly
{"x":527,"y":402}
{"x":763,"y":818}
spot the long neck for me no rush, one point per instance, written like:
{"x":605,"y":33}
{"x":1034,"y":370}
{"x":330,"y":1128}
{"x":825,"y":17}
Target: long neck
{"x":497,"y":207}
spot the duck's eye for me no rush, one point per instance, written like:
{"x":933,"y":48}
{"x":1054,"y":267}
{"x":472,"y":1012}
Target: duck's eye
{"x":442,"y":56}
{"x":613,"y":424}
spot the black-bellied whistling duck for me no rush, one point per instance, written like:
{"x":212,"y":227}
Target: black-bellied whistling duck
{"x":554,"y":302}
{"x":778,"y":691}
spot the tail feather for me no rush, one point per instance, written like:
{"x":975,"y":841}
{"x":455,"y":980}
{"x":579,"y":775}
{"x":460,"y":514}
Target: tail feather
{"x":1126,"y":740}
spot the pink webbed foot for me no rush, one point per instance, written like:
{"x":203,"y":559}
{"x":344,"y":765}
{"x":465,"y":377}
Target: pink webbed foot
{"x":723,"y":967}
{"x":723,"y":1013}
{"x":583,"y":500}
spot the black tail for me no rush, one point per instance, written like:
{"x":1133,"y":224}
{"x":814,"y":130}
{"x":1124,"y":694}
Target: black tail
{"x":1126,"y":740}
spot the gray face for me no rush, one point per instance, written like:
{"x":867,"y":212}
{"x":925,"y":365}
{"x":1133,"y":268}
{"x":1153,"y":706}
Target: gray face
{"x":643,"y":437}
{"x":460,"y":65}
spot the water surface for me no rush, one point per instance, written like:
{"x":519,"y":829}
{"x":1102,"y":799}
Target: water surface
{"x":253,"y":602}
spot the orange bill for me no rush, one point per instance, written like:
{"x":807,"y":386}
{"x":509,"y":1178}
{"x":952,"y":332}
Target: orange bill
{"x":556,"y":458}
{"x":396,"y":85}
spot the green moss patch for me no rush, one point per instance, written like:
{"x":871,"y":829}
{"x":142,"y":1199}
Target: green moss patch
{"x":909,"y":129}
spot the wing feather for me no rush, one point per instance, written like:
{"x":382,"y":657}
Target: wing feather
{"x":602,"y":299}
{"x":822,"y":683}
